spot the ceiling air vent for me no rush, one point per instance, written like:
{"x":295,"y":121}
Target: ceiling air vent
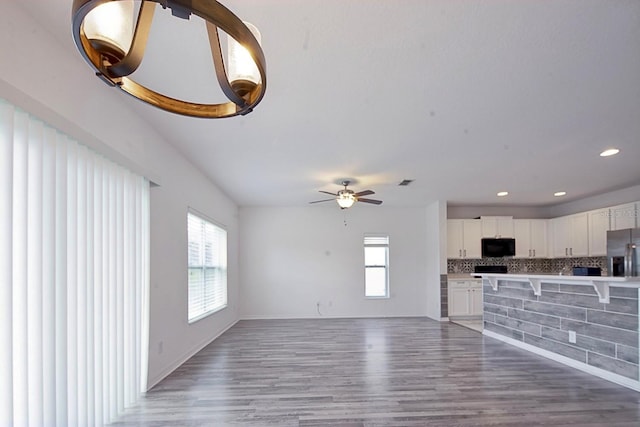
{"x":406,"y":182}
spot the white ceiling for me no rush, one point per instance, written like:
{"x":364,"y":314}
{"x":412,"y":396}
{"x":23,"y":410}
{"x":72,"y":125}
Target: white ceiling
{"x":467,"y":97}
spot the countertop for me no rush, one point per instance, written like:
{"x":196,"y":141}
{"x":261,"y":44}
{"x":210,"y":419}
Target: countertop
{"x":463,"y":276}
{"x":565,"y":278}
{"x":601,"y":284}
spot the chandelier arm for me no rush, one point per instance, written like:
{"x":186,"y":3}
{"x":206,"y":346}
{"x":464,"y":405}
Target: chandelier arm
{"x":132,"y":60}
{"x":209,"y":111}
{"x":218,"y":65}
{"x":80,"y":9}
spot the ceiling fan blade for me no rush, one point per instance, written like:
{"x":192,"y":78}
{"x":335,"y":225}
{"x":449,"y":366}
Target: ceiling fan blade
{"x":326,"y":192}
{"x":375,"y":202}
{"x":320,"y":201}
{"x":364,"y":193}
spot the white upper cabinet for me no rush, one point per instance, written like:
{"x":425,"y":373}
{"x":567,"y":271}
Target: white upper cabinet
{"x":624,"y":216}
{"x":497,"y":226}
{"x":455,"y":240}
{"x":531,"y":238}
{"x":559,"y":232}
{"x":472,"y":238}
{"x":570,"y":236}
{"x":463,"y":238}
{"x":598,"y":227}
{"x":538,"y":241}
{"x":578,"y":235}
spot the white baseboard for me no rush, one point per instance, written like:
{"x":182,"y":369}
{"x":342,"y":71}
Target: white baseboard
{"x":186,"y":356}
{"x":317,"y":317}
{"x":474,"y":317}
{"x":601,"y":373}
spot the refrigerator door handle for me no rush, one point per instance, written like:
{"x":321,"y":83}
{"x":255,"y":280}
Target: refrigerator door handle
{"x":628,"y":260}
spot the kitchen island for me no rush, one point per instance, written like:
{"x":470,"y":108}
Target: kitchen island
{"x":588,"y":322}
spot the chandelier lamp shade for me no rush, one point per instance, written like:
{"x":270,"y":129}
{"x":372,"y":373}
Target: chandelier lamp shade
{"x":112,"y":38}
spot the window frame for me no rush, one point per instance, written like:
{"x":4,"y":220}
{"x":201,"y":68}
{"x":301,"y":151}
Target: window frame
{"x":224,"y":268}
{"x":385,"y":266}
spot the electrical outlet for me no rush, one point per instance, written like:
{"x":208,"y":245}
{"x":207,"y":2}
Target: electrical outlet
{"x":572,"y":337}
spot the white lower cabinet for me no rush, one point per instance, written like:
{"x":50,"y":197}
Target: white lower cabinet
{"x":476,"y":299}
{"x":465,"y":297}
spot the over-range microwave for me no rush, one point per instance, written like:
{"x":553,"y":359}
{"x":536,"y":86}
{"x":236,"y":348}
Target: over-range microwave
{"x":498,"y":247}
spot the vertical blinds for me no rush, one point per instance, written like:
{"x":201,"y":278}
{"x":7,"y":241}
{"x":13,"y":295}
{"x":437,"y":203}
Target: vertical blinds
{"x":74,"y":274}
{"x":207,"y":258}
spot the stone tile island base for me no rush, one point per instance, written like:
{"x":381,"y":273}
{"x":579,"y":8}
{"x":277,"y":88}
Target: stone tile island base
{"x":584,"y":322}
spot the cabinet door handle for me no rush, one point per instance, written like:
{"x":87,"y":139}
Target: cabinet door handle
{"x":529,"y":253}
{"x":460,"y":250}
{"x":566,"y":251}
{"x":571,"y":251}
{"x":534,"y":252}
{"x":465,"y":253}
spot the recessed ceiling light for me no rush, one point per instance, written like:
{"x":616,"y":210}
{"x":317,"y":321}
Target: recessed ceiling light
{"x":503,"y":193}
{"x":560,"y":193}
{"x":609,"y":152}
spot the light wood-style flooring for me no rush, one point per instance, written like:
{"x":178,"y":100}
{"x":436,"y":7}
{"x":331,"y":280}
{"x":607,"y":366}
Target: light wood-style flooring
{"x":376,"y":372}
{"x":475,"y":324}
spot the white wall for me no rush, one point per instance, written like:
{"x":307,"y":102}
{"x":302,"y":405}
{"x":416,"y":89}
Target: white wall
{"x":172,"y":340}
{"x":76,"y":102}
{"x":295,"y":257}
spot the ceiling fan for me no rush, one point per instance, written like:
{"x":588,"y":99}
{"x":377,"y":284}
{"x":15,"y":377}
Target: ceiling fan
{"x":346,"y":198}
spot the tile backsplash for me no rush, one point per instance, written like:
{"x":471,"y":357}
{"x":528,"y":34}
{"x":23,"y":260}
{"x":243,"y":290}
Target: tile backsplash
{"x":528,"y":265}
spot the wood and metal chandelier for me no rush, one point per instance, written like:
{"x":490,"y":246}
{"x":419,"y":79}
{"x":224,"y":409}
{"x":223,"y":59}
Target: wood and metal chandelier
{"x":113,"y":44}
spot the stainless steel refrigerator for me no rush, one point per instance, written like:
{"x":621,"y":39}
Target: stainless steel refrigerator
{"x":623,"y":252}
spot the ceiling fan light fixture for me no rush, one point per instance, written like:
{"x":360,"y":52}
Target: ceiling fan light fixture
{"x":345,"y":199}
{"x":112,"y":38}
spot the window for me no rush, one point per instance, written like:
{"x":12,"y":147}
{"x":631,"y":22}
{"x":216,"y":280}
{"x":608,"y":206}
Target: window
{"x":207,"y":267}
{"x":376,"y":266}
